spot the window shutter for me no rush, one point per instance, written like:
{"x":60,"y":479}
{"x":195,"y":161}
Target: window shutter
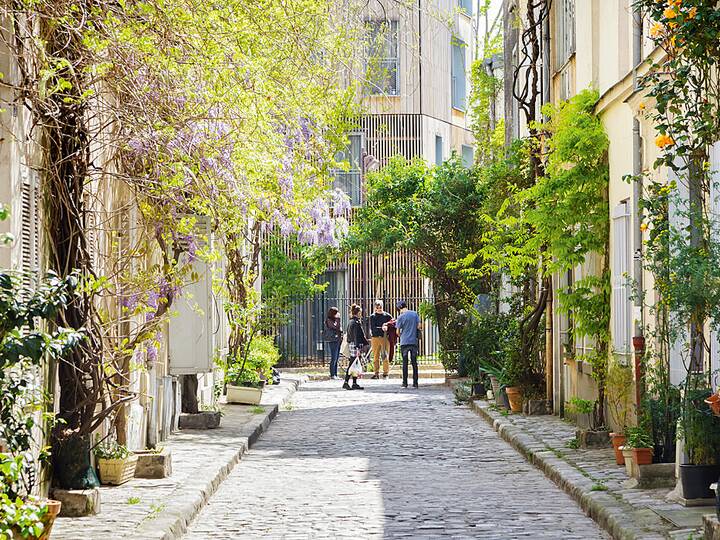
{"x":621,"y":304}
{"x":29,"y":232}
{"x":458,"y":75}
{"x":468,"y":155}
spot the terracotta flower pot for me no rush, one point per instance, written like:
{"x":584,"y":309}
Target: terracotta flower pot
{"x":53,"y":509}
{"x":618,"y":440}
{"x":642,"y":456}
{"x":714,"y":402}
{"x":514,"y":395}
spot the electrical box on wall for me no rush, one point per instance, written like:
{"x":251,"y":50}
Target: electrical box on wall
{"x":191,"y":328}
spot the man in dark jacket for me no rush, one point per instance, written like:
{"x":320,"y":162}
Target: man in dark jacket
{"x":378,"y":339}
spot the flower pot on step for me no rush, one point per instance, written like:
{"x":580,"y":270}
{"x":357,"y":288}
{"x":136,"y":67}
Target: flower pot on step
{"x":696,"y":480}
{"x":53,"y":509}
{"x":495,"y":388}
{"x":247,"y":395}
{"x":514,"y":395}
{"x":618,"y":440}
{"x":642,"y":456}
{"x":628,"y":457}
{"x":117,"y":471}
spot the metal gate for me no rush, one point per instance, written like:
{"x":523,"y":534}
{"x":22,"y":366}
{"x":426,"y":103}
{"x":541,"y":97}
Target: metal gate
{"x":300,"y":338}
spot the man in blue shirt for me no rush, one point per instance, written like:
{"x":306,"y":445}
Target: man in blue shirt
{"x":408,"y":326}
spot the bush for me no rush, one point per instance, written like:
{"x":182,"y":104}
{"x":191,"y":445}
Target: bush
{"x":701,"y":430}
{"x":256,"y":368}
{"x":486,"y":347}
{"x":638,"y":437}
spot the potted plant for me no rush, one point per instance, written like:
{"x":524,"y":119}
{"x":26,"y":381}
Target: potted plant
{"x":115,"y":463}
{"x":246,"y":377}
{"x":641,"y":443}
{"x":619,"y":395}
{"x":701,"y":432}
{"x":30,"y":518}
{"x":586,"y":410}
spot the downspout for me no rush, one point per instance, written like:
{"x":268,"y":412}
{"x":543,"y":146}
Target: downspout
{"x":420,"y":59}
{"x":549,"y":356}
{"x":638,"y":331}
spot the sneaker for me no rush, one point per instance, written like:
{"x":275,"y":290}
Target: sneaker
{"x":415,"y":385}
{"x":385,"y":375}
{"x":356,"y":387}
{"x":376,"y":376}
{"x":346,"y":386}
{"x":404,"y":385}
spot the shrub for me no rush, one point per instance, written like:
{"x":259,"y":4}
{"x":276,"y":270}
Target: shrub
{"x":256,"y":368}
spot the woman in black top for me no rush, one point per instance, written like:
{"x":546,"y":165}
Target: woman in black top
{"x":357,"y":340}
{"x":332,"y":334}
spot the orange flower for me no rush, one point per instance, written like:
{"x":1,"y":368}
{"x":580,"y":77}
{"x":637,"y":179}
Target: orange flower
{"x":641,"y":106}
{"x":661,"y":141}
{"x":672,"y":25}
{"x":670,"y":13}
{"x":691,"y":14}
{"x":657,"y":29}
{"x":643,"y":227}
{"x":674,"y":3}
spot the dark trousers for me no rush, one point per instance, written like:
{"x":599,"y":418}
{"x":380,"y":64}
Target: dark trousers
{"x":409,"y":353}
{"x":334,"y":356}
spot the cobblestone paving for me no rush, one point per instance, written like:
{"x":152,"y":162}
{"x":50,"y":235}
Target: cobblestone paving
{"x":386,"y":463}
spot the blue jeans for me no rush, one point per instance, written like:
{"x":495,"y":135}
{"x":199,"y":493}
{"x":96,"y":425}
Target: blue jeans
{"x":409,"y":354}
{"x":334,"y":356}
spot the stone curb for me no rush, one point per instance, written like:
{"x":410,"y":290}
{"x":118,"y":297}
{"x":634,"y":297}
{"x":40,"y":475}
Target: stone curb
{"x":173,"y":521}
{"x":609,"y":510}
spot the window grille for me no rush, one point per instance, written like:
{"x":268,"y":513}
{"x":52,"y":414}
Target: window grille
{"x":383,"y":58}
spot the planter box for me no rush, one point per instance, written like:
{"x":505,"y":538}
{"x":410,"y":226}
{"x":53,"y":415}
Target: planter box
{"x":593,"y":439}
{"x":243,"y":394}
{"x":655,"y":475}
{"x":153,"y":464}
{"x":117,"y":471}
{"x":78,"y":502}
{"x":201,"y":420}
{"x":537,"y":407}
{"x":696,"y":480}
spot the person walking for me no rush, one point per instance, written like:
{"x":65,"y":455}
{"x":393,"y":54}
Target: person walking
{"x":332,"y":335}
{"x":408,"y":326}
{"x":357,"y":340}
{"x":379,"y":339}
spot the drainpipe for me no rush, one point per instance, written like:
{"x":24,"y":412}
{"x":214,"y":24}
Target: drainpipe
{"x":549,"y":355}
{"x":638,"y":334}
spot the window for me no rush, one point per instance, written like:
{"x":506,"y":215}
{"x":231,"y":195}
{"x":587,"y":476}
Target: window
{"x":438,"y":150}
{"x":349,"y":180}
{"x":383,"y":58}
{"x":621,"y":304}
{"x":468,"y":155}
{"x":564,"y":31}
{"x":466,"y":6}
{"x":458,"y":74}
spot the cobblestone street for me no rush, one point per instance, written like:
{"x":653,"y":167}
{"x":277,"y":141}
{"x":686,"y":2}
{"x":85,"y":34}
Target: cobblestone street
{"x":386,"y":463}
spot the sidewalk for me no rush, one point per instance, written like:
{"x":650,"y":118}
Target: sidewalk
{"x":593,"y":479}
{"x":201,"y":460}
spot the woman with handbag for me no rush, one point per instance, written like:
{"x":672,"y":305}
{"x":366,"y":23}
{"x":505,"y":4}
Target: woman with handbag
{"x":357,"y":341}
{"x":332,"y":335}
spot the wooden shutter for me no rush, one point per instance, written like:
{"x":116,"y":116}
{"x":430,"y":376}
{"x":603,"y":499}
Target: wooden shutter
{"x":29,"y":261}
{"x":621,"y":304}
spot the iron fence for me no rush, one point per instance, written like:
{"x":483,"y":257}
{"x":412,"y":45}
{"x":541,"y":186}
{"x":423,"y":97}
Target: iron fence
{"x":300,"y":337}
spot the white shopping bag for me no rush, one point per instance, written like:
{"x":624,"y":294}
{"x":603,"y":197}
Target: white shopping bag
{"x":356,"y":369}
{"x":345,"y":348}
